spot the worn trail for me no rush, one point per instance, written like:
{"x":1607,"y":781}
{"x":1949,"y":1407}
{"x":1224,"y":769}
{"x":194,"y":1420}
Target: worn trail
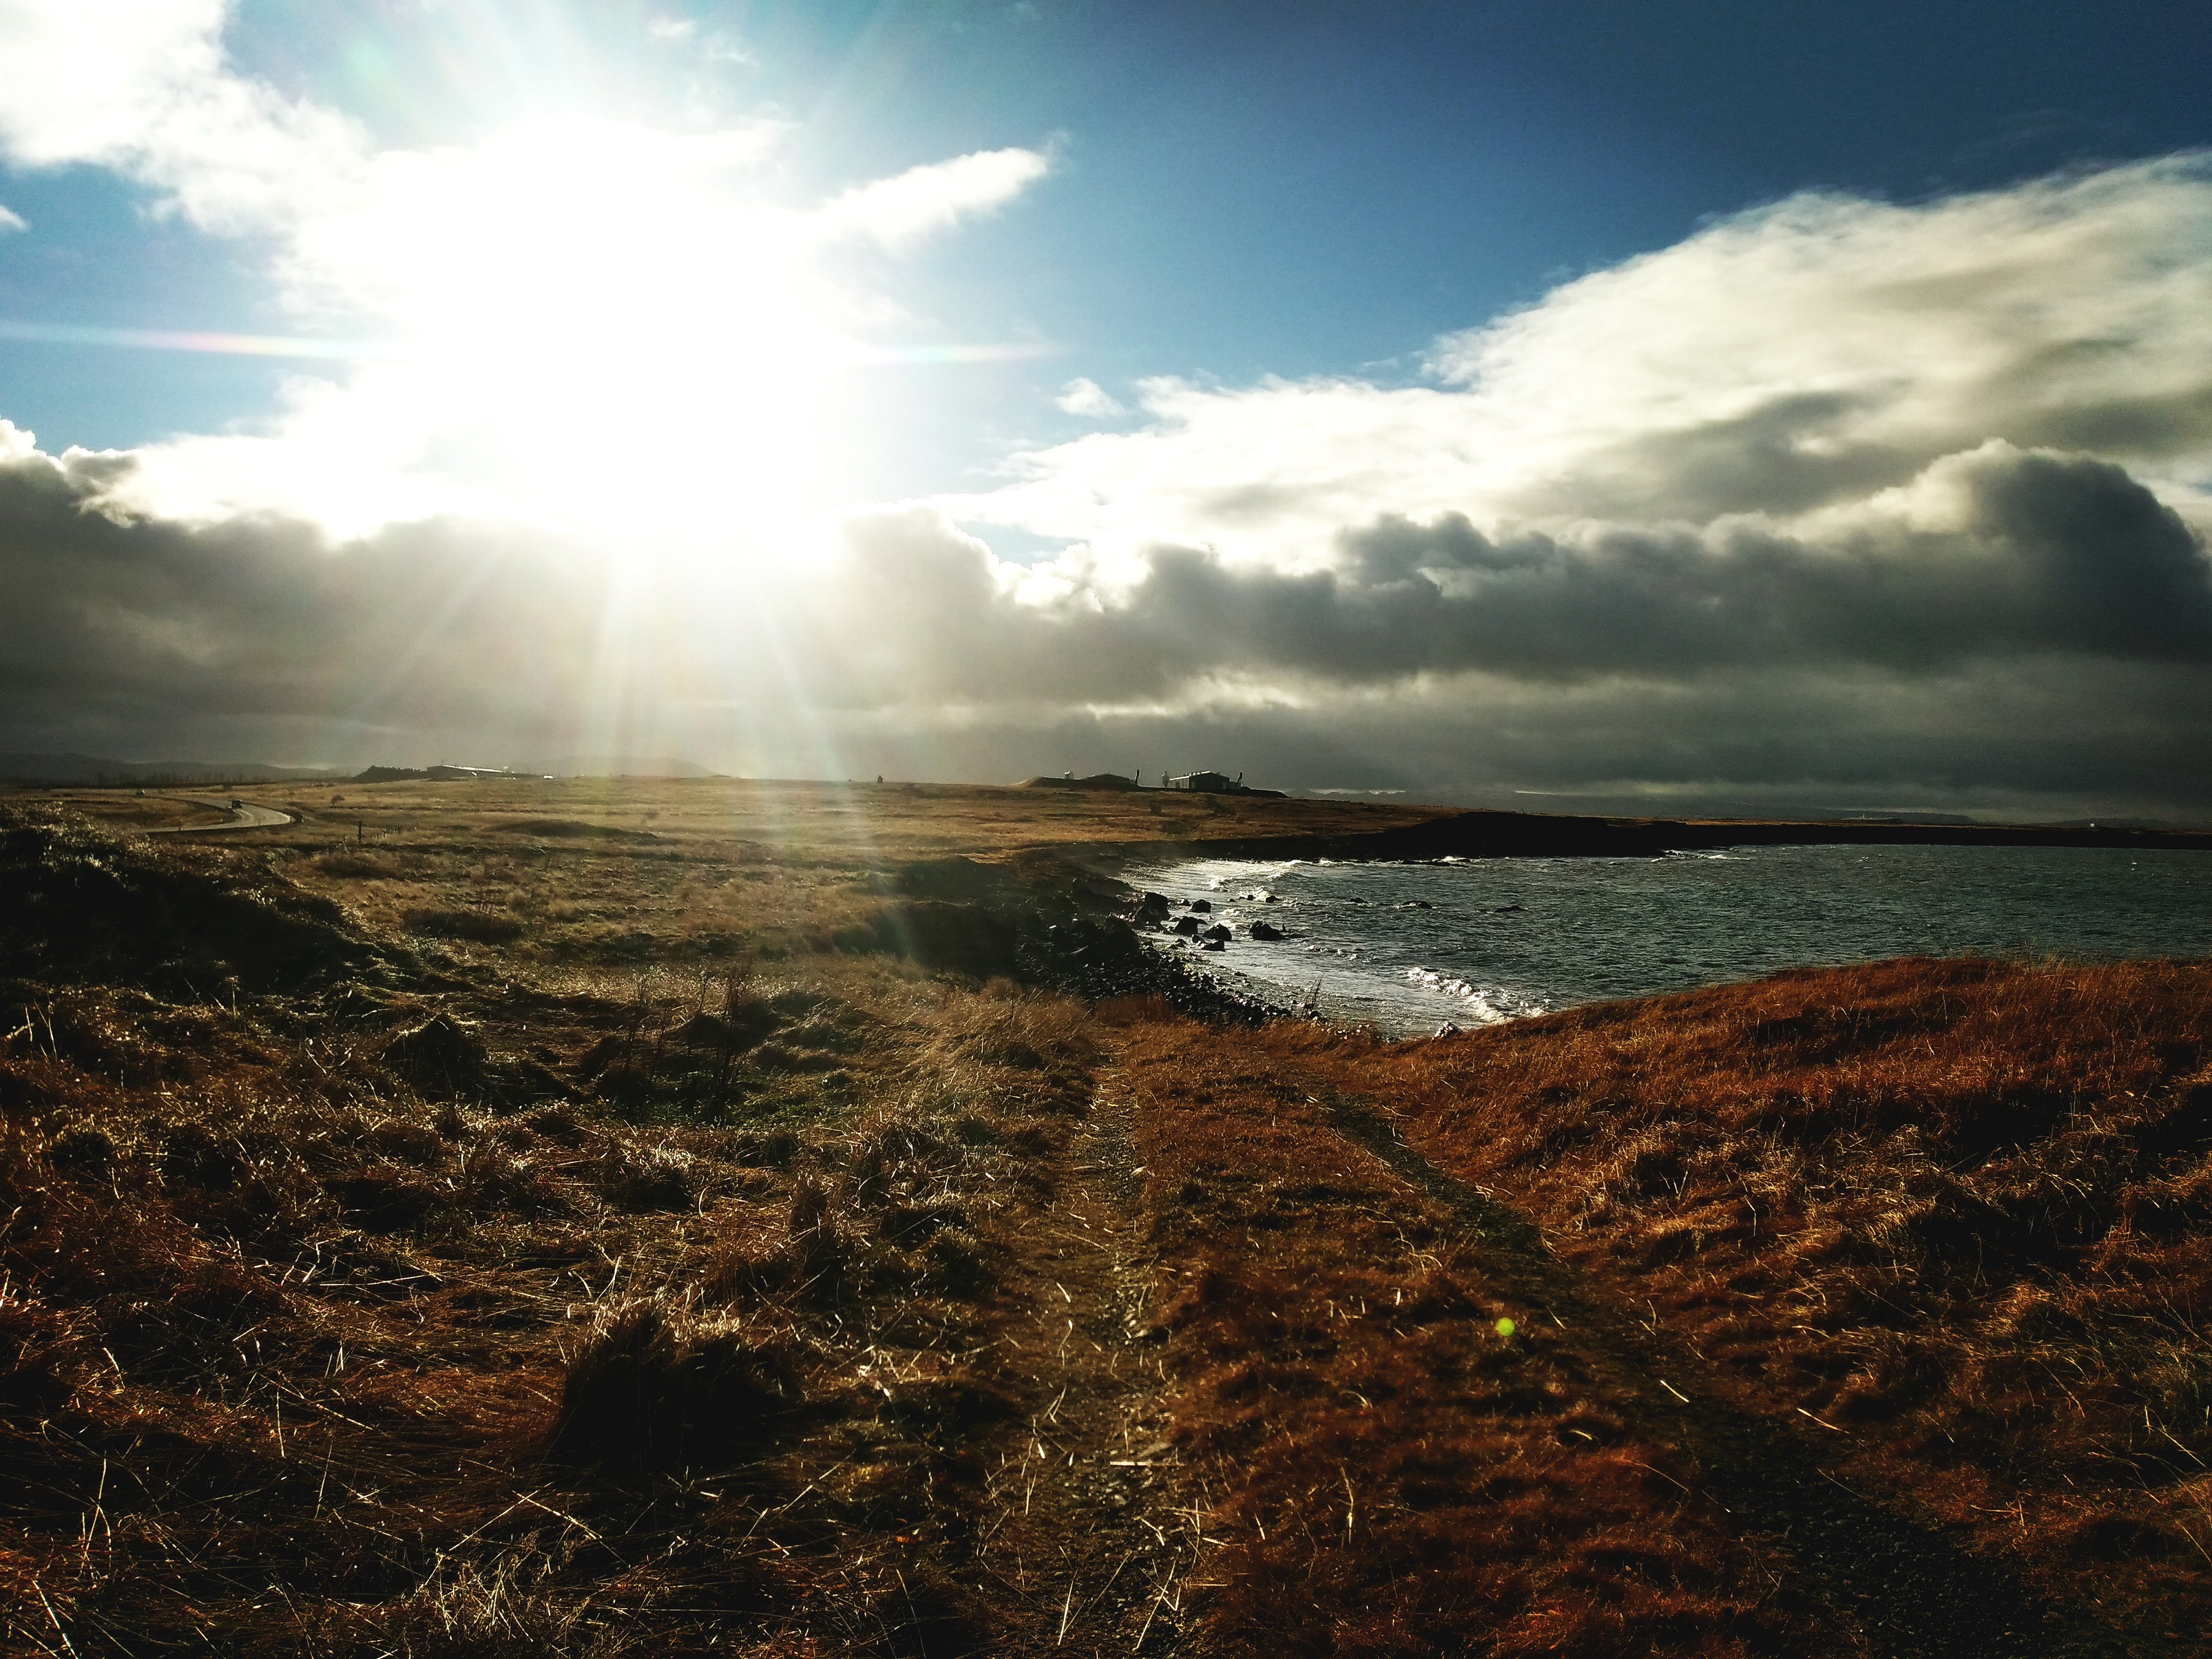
{"x":1087,"y":1541}
{"x":1910,"y":1592}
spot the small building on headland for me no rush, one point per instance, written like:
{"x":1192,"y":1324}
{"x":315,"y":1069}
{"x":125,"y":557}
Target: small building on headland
{"x":1219,"y":783}
{"x":1204,"y":783}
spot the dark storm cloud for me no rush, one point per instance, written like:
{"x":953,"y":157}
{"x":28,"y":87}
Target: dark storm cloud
{"x":2038,"y":738}
{"x":2034,"y":626}
{"x":118,"y":623}
{"x":2042,"y":553}
{"x":2030,"y":630}
{"x":1998,"y":553}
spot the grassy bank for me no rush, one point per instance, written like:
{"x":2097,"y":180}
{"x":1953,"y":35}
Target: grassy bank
{"x":772,"y":1218}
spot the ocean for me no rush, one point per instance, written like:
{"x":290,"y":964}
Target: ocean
{"x":1407,"y":947}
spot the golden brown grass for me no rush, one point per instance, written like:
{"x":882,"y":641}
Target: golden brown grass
{"x":813,"y":822}
{"x":372,"y":1309}
{"x":1385,"y":1468}
{"x":1948,"y":1219}
{"x":537,"y":1226}
{"x":644,"y":874}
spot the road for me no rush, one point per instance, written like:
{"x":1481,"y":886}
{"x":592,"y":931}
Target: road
{"x":242,"y":816}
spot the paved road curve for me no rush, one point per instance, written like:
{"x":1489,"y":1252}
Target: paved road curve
{"x":242,"y":816}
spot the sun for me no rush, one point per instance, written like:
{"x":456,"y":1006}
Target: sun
{"x":623,"y":327}
{"x":599,"y":324}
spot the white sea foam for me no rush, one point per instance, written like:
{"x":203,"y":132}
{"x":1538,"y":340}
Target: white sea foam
{"x":1486,"y":1005}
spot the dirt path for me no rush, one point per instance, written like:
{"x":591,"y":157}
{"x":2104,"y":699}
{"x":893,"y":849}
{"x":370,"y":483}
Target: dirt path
{"x":243,"y":815}
{"x":1906,"y":1590}
{"x":1087,"y":1541}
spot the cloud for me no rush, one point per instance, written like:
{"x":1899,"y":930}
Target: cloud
{"x":644,"y":283}
{"x":1835,"y":494}
{"x":714,"y":48}
{"x":1087,"y":397}
{"x":1814,"y":351}
{"x":899,"y":211}
{"x":11,"y":222}
{"x":1804,"y":351}
{"x":115,"y":624}
{"x":1835,"y":501}
{"x":2012,"y":627}
{"x":1997,"y":555}
{"x":141,"y":87}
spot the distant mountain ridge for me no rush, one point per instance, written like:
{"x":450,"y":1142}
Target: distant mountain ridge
{"x":96,"y":768}
{"x":570,"y":766}
{"x":80,"y":769}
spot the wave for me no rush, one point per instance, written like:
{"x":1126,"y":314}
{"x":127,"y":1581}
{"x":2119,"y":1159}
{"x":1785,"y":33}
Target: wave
{"x":1486,"y":1005}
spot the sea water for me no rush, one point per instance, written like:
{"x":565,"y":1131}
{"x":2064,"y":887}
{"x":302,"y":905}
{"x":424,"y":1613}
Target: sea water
{"x":1407,"y":947}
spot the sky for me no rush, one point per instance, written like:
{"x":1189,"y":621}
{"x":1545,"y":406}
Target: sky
{"x":1698,"y":407}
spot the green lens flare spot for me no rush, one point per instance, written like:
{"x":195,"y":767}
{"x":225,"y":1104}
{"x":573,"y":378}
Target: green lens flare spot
{"x":1505,"y":1328}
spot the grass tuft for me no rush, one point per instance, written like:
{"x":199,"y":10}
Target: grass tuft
{"x":657,"y":1386}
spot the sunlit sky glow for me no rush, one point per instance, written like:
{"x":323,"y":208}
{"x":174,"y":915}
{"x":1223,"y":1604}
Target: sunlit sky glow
{"x":1696,"y":405}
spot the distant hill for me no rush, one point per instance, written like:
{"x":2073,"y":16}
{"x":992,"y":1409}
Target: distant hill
{"x":1095,"y":781}
{"x":620,"y":766}
{"x":1840,"y":816}
{"x":98,"y":769}
{"x":80,"y":769}
{"x":2129,"y":824}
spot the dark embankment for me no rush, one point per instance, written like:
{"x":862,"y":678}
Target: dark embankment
{"x":1536,"y":835}
{"x":1495,"y":834}
{"x":1041,"y":919}
{"x":82,"y":909}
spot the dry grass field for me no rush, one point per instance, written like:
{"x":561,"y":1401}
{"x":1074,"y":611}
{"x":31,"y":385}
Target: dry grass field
{"x":1933,"y":1234}
{"x":654,"y":1218}
{"x":619,"y":874}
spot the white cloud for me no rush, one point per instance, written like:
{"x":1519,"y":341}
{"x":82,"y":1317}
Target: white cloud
{"x":1887,"y":466}
{"x":11,"y":220}
{"x":899,"y":210}
{"x":1852,"y":335}
{"x":1812,"y":352}
{"x":1086,"y":398}
{"x":576,"y":284}
{"x":141,"y":85}
{"x":714,"y":48}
